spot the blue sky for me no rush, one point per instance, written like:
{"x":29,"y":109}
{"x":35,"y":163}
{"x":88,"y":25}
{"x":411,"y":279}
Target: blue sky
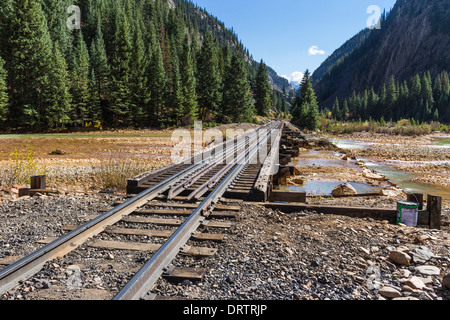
{"x":293,"y":35}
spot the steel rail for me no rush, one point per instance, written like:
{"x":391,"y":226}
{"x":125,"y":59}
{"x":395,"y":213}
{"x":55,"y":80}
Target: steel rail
{"x":147,"y":276}
{"x":175,"y":190}
{"x":25,"y":267}
{"x":197,"y":193}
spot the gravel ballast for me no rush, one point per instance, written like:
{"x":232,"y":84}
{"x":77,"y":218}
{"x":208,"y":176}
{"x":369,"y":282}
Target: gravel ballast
{"x":266,"y":255}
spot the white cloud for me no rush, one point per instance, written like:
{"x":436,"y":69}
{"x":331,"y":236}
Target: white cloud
{"x":295,"y":76}
{"x":314,"y":50}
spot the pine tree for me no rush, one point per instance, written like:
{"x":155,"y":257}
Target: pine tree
{"x":59,"y":107}
{"x":175,"y":97}
{"x":139,"y":96}
{"x":80,"y":82}
{"x":262,"y":91}
{"x":121,"y":71}
{"x":4,"y":99}
{"x":308,"y":108}
{"x":209,"y":83}
{"x":427,"y":90}
{"x":237,"y":99}
{"x":94,"y":112}
{"x":336,"y":112}
{"x":188,"y":81}
{"x":31,"y":62}
{"x":156,"y":84}
{"x":345,"y":110}
{"x":101,"y":77}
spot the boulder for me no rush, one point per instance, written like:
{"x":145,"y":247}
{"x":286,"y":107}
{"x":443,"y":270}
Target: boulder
{"x":344,"y":190}
{"x":370,"y":175}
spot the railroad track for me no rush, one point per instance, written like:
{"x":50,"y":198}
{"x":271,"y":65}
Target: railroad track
{"x":184,"y":198}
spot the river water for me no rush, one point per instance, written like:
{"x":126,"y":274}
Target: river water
{"x":390,"y":169}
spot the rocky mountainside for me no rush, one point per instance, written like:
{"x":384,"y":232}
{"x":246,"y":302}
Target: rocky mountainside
{"x":413,"y":39}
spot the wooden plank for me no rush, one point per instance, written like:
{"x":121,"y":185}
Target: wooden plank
{"x":434,"y":207}
{"x":157,"y":221}
{"x":223,"y":214}
{"x":355,"y":212}
{"x":208,"y":236}
{"x":152,"y":247}
{"x":417,"y":198}
{"x":154,"y":233}
{"x":288,"y":196}
{"x":38,"y":182}
{"x":47,"y":240}
{"x":140,"y":232}
{"x":423,"y":218}
{"x":167,"y":212}
{"x":117,"y":245}
{"x":129,"y":231}
{"x":185,"y":205}
{"x":238,"y":194}
{"x":217,"y":224}
{"x":198,"y":251}
{"x":180,"y":274}
{"x":263,"y":185}
{"x":9,"y":260}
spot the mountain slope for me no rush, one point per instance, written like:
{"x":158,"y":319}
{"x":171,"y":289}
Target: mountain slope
{"x":414,"y":38}
{"x":205,"y":21}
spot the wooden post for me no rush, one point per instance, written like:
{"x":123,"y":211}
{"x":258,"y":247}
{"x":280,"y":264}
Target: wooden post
{"x":417,"y":198}
{"x":38,"y":182}
{"x":434,"y":207}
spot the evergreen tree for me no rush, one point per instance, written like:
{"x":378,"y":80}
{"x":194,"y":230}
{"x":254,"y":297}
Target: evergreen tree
{"x":4,"y":99}
{"x":121,"y":71}
{"x":427,"y":90}
{"x":176,"y":99}
{"x":308,"y":108}
{"x":59,"y":107}
{"x":262,"y":91}
{"x":237,"y":99}
{"x":80,"y":82}
{"x":31,"y":63}
{"x":336,"y":112}
{"x":209,"y":83}
{"x":157,"y":84}
{"x":345,"y":110}
{"x":139,"y":96}
{"x":101,"y":77}
{"x":188,"y":81}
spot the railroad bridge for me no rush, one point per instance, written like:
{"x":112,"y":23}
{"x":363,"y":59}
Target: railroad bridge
{"x":255,"y":183}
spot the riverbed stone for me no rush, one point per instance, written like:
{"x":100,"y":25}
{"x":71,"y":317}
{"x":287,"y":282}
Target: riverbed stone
{"x":421,"y":254}
{"x":415,"y":283}
{"x":428,"y":270}
{"x":400,"y":257}
{"x":389,"y":292}
{"x":344,"y":189}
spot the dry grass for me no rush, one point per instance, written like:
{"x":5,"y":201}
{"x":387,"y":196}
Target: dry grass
{"x":116,"y":168}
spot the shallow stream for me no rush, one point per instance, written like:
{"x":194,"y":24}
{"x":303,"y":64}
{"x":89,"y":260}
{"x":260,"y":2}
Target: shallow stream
{"x":402,"y":179}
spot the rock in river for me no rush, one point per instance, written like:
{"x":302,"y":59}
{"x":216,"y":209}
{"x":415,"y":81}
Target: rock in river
{"x":344,"y":189}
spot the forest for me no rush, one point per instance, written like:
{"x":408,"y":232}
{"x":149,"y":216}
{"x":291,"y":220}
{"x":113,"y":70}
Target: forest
{"x":422,"y":99}
{"x":142,"y":63}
